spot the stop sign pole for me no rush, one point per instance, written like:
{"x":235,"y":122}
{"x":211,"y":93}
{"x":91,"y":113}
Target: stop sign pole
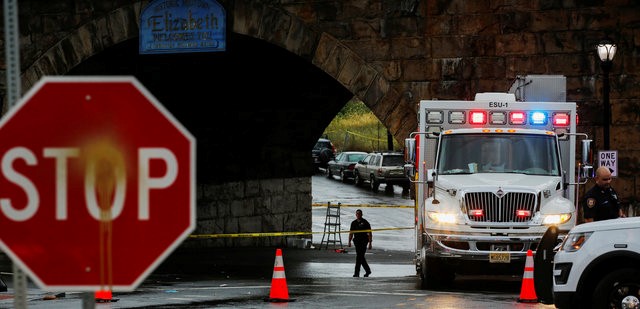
{"x":12,"y":55}
{"x":97,"y":183}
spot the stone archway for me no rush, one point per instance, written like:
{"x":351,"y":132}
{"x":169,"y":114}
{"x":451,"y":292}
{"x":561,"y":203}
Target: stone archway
{"x":279,"y":201}
{"x":251,"y":19}
{"x":86,"y":41}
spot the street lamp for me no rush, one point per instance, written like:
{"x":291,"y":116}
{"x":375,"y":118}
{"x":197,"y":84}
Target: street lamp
{"x":606,"y":51}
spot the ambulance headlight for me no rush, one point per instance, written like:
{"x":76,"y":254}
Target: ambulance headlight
{"x":442,"y":217}
{"x":556,"y":219}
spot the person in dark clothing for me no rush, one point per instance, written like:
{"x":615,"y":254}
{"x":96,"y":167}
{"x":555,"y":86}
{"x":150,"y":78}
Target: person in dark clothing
{"x":360,"y":233}
{"x":601,"y":202}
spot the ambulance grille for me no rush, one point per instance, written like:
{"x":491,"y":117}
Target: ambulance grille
{"x":499,"y":209}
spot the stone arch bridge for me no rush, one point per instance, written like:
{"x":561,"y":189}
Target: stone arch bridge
{"x":290,"y":66}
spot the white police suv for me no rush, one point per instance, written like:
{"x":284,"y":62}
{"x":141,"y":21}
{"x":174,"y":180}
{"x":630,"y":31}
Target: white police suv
{"x":598,"y":266}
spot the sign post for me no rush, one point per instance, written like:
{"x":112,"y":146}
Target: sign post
{"x":12,"y":60}
{"x":97,"y":183}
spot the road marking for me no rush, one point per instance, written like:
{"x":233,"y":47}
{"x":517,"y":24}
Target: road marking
{"x":367,"y":293}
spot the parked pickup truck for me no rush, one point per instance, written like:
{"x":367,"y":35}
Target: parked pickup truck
{"x":598,"y":266}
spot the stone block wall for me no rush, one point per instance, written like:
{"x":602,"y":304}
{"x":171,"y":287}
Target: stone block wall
{"x":266,"y":206}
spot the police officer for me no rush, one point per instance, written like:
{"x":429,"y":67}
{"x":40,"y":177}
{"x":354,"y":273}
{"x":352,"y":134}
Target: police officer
{"x":601,"y":201}
{"x":360,"y":233}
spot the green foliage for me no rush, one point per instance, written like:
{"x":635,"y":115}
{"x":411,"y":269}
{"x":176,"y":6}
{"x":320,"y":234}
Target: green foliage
{"x":353,"y":108}
{"x":356,"y":128}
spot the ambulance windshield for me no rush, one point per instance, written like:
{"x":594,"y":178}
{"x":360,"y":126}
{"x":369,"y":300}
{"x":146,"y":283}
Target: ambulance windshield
{"x":498,"y":153}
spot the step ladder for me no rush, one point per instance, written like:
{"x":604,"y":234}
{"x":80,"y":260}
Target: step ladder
{"x":332,"y":227}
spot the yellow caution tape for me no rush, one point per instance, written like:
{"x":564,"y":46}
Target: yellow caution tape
{"x":365,"y":205}
{"x":356,"y":134}
{"x":275,"y":234}
{"x":364,"y":136}
{"x":200,"y":236}
{"x":250,"y":235}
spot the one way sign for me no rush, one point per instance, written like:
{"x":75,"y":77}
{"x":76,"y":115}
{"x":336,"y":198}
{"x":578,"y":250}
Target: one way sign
{"x":609,"y":158}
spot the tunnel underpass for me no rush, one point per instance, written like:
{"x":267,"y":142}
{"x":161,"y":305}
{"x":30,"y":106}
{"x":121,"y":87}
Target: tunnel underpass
{"x":256,"y":110}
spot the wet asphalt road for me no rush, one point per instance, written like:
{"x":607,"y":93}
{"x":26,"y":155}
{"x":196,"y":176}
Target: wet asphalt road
{"x":242,"y":278}
{"x":316,"y":278}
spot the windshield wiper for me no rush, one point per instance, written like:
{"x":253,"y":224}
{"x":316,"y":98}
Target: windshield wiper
{"x":455,"y":172}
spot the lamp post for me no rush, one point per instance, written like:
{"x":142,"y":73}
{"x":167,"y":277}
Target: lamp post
{"x":606,"y":50}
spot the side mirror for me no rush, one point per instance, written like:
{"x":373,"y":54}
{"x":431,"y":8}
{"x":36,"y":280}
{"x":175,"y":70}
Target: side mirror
{"x":410,"y":157}
{"x":586,"y":149}
{"x":409,"y":149}
{"x":409,"y":171}
{"x":586,"y":170}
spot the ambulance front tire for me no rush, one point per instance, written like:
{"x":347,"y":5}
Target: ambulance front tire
{"x":435,"y":274}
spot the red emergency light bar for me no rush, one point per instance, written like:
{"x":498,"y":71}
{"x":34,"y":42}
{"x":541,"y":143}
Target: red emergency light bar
{"x":517,"y":117}
{"x":523,"y":213}
{"x":560,"y":120}
{"x":476,"y":212}
{"x":477,"y":117}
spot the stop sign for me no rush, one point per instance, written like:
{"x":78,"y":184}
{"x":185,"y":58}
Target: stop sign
{"x":97,"y":183}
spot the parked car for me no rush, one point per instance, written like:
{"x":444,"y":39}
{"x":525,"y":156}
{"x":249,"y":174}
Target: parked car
{"x":597,"y":265}
{"x":343,"y":164}
{"x":382,"y":167}
{"x":322,"y":153}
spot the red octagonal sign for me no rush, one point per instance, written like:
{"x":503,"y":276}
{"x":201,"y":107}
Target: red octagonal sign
{"x":97,"y":183}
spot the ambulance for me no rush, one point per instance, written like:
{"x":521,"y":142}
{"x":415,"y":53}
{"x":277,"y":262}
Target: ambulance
{"x":491,"y":176}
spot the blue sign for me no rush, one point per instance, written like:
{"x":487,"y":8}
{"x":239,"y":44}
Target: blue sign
{"x":182,"y":26}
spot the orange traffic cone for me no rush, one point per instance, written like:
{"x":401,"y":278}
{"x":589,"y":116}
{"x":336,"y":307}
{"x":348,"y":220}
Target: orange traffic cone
{"x":528,"y":290}
{"x":279,"y":291}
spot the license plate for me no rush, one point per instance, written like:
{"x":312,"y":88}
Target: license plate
{"x":499,"y":254}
